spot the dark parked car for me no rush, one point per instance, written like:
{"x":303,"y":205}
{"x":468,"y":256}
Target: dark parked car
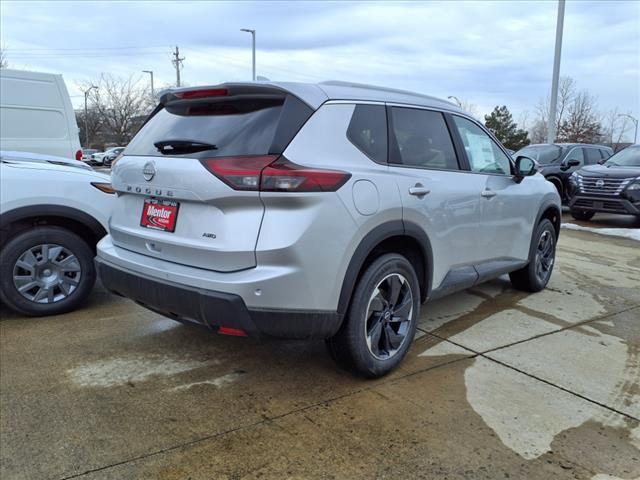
{"x":560,"y":160}
{"x":613,"y":187}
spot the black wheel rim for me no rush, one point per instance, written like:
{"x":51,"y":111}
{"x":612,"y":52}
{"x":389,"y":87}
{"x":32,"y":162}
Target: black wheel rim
{"x":389,"y":316}
{"x":545,"y":256}
{"x":46,"y":273}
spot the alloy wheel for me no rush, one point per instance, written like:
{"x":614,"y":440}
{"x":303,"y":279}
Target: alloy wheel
{"x":545,"y":256}
{"x":389,"y":316}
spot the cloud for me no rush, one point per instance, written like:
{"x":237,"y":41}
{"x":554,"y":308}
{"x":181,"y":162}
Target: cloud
{"x":485,"y":52}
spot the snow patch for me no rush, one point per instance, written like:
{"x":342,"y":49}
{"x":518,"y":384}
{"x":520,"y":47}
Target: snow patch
{"x":218,"y":382}
{"x":632,"y":233}
{"x":130,"y":369}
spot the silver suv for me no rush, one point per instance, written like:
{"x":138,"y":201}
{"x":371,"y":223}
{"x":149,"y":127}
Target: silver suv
{"x":326,"y":211}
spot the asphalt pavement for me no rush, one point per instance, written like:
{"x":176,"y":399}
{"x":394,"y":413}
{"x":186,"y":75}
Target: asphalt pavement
{"x":498,"y":384}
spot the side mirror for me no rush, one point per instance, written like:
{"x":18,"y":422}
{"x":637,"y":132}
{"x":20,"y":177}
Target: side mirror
{"x":525,"y":167}
{"x":569,"y":163}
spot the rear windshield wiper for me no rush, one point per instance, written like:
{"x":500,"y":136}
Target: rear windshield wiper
{"x":168,"y":147}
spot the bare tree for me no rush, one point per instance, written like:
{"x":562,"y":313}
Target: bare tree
{"x":615,"y":127}
{"x":121,"y":104}
{"x":93,"y":127}
{"x":566,"y":94}
{"x":580,"y":123}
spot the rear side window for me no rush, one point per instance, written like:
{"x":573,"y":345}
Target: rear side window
{"x":422,"y":139}
{"x":368,"y":131}
{"x":231,"y":127}
{"x":593,"y":156}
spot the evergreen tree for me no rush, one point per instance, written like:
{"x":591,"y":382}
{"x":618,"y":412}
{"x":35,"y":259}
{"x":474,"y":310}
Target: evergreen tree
{"x":501,"y":123}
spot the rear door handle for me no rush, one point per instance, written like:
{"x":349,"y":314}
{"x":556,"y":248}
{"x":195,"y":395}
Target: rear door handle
{"x":488,"y":193}
{"x":418,"y":190}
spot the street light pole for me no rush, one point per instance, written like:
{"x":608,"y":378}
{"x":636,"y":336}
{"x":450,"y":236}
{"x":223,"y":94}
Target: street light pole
{"x":456,"y":99}
{"x":635,"y":121}
{"x":253,"y":45}
{"x":86,"y":129}
{"x":150,"y":72}
{"x":551,"y":123}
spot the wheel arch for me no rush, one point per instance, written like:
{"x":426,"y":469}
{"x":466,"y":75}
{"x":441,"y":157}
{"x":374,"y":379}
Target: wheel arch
{"x":550,"y":211}
{"x":20,"y":219}
{"x":395,"y":236}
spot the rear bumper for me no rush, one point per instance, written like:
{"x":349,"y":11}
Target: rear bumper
{"x":604,"y":204}
{"x":214,"y":309}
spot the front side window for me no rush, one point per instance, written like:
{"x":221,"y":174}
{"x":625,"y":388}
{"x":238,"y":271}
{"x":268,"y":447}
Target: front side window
{"x":368,"y":131}
{"x":422,"y":139}
{"x":483,"y":153}
{"x":593,"y":156}
{"x":576,"y":154}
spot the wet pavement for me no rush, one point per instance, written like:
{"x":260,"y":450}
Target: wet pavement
{"x":499,"y":384}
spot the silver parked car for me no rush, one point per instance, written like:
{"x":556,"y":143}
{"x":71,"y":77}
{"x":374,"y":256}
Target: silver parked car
{"x":320,"y":211}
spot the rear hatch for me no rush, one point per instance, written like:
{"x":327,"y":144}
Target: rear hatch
{"x":171,"y":204}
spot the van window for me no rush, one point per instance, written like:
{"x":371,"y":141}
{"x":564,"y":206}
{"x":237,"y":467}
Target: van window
{"x":368,"y":131}
{"x":422,"y":139}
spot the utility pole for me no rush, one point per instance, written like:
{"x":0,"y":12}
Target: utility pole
{"x":150,"y":72}
{"x":253,"y":49}
{"x":86,"y":128}
{"x":551,"y":123}
{"x":177,"y":62}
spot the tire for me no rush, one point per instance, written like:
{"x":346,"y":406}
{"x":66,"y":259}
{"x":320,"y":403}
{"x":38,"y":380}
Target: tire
{"x":582,"y":214}
{"x":535,"y":276}
{"x":350,"y":346}
{"x":63,"y":280}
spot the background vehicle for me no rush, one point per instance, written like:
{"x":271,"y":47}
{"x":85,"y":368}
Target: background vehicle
{"x":296,"y":210}
{"x":13,"y":157}
{"x":51,"y":217}
{"x":98,"y":158}
{"x":560,"y":160}
{"x":613,"y":187}
{"x":36,"y":114}
{"x":111,"y":155}
{"x":87,"y":152}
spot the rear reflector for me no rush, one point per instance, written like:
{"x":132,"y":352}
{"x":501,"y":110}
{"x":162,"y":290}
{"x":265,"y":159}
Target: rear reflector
{"x":270,"y":173}
{"x":201,"y":93}
{"x":236,"y":332}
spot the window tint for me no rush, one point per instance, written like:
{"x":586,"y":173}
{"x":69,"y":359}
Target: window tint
{"x":576,"y":154}
{"x":423,"y":139}
{"x":368,"y":131}
{"x":235,"y":127}
{"x":483,"y":153}
{"x":593,"y":156}
{"x":605,"y":153}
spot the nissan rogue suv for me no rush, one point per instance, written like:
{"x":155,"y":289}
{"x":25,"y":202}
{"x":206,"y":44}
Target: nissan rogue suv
{"x":327,"y":211}
{"x":613,"y":187}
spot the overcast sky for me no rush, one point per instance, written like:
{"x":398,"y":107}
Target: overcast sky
{"x":486,"y":53}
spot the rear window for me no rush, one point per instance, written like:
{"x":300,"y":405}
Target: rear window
{"x":245,"y":126}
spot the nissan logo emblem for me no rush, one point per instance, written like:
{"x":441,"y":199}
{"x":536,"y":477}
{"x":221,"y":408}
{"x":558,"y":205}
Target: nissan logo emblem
{"x":599,"y":183}
{"x":149,"y":171}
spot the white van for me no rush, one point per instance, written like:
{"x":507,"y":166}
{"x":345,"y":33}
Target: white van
{"x":36,"y":114}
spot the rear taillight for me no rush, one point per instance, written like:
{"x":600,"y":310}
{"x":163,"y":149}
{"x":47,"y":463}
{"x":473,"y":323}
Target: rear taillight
{"x":79,"y":155}
{"x":270,"y":173}
{"x":201,"y":93}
